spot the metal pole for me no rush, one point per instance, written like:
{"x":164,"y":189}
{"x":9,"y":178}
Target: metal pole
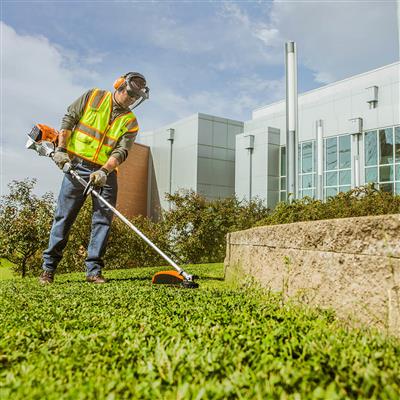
{"x":249,"y":145}
{"x":250,"y":173}
{"x":320,"y":160}
{"x":357,"y":130}
{"x":171,"y":134}
{"x":291,"y":119}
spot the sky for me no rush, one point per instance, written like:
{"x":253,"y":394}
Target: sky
{"x":223,"y":58}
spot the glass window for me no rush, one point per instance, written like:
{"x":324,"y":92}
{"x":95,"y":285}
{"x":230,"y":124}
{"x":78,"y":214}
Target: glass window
{"x":307,"y":157}
{"x":307,"y":168}
{"x":397,"y":142}
{"x":386,"y":187}
{"x":386,"y":146}
{"x":307,"y":181}
{"x":371,"y":174}
{"x":331,"y":178}
{"x":345,"y":177}
{"x":381,"y":166}
{"x":308,"y":192}
{"x":344,"y":188}
{"x":331,"y":153}
{"x":299,"y":156}
{"x":344,"y":151}
{"x":282,"y":193}
{"x":330,"y":192}
{"x":371,"y":148}
{"x":283,"y":161}
{"x":397,"y":172}
{"x":397,"y":188}
{"x":386,"y":173}
{"x":338,"y":164}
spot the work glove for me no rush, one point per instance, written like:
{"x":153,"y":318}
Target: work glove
{"x":99,"y":177}
{"x":61,"y":157}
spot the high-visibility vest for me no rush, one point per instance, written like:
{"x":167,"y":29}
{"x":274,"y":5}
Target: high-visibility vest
{"x":94,"y":137}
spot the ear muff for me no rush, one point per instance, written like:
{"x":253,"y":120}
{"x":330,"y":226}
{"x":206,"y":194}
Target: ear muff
{"x":133,"y":89}
{"x":119,"y":82}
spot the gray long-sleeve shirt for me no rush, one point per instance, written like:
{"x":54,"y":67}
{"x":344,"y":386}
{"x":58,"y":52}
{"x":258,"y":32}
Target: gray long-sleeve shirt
{"x":75,"y":113}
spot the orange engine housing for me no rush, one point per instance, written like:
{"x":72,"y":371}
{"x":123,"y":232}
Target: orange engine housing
{"x":48,"y":134}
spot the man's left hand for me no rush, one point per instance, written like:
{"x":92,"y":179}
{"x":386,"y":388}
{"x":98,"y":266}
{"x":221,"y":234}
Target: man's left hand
{"x":99,"y":177}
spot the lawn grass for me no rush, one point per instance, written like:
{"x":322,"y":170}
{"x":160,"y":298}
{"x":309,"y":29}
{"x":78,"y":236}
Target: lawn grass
{"x":131,"y":340}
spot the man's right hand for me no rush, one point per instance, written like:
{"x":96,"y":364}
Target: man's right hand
{"x":61,"y":157}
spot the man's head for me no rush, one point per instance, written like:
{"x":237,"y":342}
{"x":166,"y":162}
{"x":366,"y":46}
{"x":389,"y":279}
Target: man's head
{"x":131,"y":89}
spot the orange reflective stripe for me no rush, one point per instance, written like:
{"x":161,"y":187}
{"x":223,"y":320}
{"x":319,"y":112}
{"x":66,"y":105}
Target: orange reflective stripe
{"x":120,"y":116}
{"x":90,"y":127}
{"x":96,"y":154}
{"x":89,"y":101}
{"x":132,"y":125}
{"x":98,"y":98}
{"x":89,"y":131}
{"x":109,"y":142}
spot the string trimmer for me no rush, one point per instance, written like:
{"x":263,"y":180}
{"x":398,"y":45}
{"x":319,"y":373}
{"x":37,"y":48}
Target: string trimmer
{"x":43,"y":139}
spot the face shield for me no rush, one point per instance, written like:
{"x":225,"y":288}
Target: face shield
{"x":136,"y":88}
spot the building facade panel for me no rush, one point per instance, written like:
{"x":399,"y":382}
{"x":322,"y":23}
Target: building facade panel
{"x":196,"y":153}
{"x":358,"y":118}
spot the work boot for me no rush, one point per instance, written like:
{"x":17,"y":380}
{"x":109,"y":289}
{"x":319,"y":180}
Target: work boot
{"x":46,"y":278}
{"x":96,"y":279}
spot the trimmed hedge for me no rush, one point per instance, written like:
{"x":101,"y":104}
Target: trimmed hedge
{"x":358,"y":202}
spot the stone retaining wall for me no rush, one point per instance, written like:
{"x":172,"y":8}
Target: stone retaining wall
{"x":351,"y":265}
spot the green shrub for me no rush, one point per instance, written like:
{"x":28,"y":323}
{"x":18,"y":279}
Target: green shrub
{"x":197,"y":227}
{"x":25,"y":221}
{"x":126,"y":249}
{"x":192,"y":231}
{"x":358,"y":202}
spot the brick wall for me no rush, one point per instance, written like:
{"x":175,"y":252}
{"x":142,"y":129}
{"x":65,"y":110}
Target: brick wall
{"x":132,"y":182}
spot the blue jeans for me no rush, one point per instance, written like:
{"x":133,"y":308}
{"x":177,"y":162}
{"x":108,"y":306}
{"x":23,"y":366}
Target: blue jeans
{"x":70,"y":201}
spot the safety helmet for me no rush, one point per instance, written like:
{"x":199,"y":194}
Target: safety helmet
{"x":136,"y":86}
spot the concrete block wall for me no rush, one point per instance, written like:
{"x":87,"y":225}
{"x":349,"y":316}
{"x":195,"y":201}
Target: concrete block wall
{"x":351,"y":265}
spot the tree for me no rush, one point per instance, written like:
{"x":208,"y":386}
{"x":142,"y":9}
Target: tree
{"x":197,"y":227}
{"x":25,"y":221}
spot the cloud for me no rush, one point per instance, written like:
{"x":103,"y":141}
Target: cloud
{"x":323,"y":77}
{"x":339,"y":39}
{"x":334,"y":39}
{"x":255,"y":41}
{"x":223,"y":58}
{"x":170,"y":34}
{"x":37,"y":84}
{"x":233,"y":99}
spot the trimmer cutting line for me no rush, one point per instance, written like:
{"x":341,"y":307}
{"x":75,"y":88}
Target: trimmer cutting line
{"x":43,"y":139}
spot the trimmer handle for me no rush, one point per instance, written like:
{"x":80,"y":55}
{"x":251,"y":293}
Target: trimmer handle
{"x":67,"y":168}
{"x":89,"y":186}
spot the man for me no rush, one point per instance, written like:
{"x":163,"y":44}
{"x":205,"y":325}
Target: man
{"x":96,"y":134}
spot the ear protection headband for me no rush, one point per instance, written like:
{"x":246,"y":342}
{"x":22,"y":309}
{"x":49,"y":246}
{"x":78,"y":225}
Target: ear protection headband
{"x":134,"y":90}
{"x":119,"y":82}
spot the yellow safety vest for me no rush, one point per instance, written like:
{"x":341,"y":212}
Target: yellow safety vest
{"x":94,"y":137}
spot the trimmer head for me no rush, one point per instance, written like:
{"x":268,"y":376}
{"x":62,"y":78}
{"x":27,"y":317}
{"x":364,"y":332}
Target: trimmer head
{"x":173,"y":278}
